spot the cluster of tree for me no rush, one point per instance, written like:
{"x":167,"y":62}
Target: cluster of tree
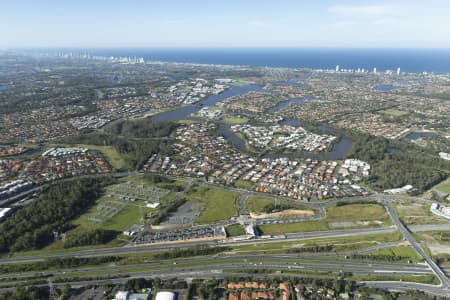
{"x":162,"y":181}
{"x":206,"y":289}
{"x":156,"y":178}
{"x":141,"y":128}
{"x":58,"y":263}
{"x":33,"y":226}
{"x":409,"y":164}
{"x":26,"y":293}
{"x":169,"y":284}
{"x":193,"y":251}
{"x":272,"y":207}
{"x":311,"y":249}
{"x":135,"y":144}
{"x":341,"y":203}
{"x":11,"y":101}
{"x":166,"y":210}
{"x":137,"y":284}
{"x":390,"y":258}
{"x":445,"y":236}
{"x":87,"y":237}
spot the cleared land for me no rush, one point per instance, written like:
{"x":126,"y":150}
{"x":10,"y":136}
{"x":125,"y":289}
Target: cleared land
{"x":416,"y":213}
{"x":217,"y":205}
{"x":357,"y":212}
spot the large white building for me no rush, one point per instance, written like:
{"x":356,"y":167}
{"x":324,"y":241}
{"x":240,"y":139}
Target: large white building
{"x":440,"y":210}
{"x":165,"y":296}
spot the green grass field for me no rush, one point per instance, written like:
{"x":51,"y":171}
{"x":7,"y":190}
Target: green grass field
{"x":256,"y":204}
{"x":241,"y":184}
{"x":275,"y":229}
{"x":235,"y":120}
{"x":357,"y":212}
{"x":218,"y":205}
{"x":443,"y":187}
{"x":399,"y":251}
{"x":186,"y":122}
{"x":339,"y":243}
{"x":394,"y":112}
{"x":235,"y":230}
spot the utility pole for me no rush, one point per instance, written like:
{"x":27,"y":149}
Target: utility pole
{"x":52,"y":291}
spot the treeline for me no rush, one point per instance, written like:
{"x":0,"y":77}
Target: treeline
{"x":409,"y":164}
{"x":57,"y":263}
{"x":311,"y":249}
{"x":135,"y":140}
{"x":162,"y":181}
{"x":141,"y":128}
{"x":89,"y":237}
{"x":26,"y":293}
{"x":389,"y":258}
{"x":32,"y":226}
{"x":272,"y":207}
{"x":194,"y":251}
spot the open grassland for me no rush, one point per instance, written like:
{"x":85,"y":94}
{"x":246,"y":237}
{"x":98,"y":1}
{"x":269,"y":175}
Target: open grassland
{"x":339,"y":243}
{"x":404,"y":252}
{"x":235,"y":120}
{"x":435,"y":237}
{"x":241,"y":184}
{"x":217,"y":205}
{"x":257,"y":204}
{"x":276,"y":229}
{"x":443,"y":187}
{"x":235,"y":230}
{"x":394,"y":112}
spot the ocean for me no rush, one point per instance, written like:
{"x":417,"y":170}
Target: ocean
{"x":408,"y":60}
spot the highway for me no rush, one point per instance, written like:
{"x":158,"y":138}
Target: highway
{"x":320,"y":262}
{"x":407,"y":235}
{"x":175,"y":245}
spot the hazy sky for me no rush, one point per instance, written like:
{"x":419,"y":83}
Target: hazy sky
{"x":225,"y":23}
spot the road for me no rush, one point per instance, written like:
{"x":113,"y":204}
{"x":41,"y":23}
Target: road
{"x":315,"y":263}
{"x":407,"y":235}
{"x":166,"y":246}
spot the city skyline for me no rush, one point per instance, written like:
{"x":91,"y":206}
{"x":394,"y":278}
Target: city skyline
{"x":247,"y":24}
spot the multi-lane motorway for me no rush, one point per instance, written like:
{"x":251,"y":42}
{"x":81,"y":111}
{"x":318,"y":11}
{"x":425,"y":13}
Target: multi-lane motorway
{"x":214,"y":266}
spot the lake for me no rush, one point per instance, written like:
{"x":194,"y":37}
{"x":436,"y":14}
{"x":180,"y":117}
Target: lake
{"x":338,"y":151}
{"x":416,"y":135}
{"x":184,"y":112}
{"x":386,"y":88}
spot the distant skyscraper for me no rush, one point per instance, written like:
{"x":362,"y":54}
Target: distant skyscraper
{"x":374,"y":70}
{"x":337,"y":68}
{"x":398,"y":71}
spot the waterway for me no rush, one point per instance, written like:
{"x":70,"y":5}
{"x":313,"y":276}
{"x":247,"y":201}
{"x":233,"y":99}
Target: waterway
{"x":338,"y":151}
{"x":386,"y":88}
{"x":284,"y":104}
{"x":184,"y":112}
{"x":416,"y":135}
